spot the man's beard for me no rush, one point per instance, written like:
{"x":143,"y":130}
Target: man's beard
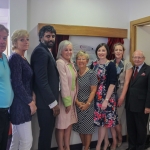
{"x":49,"y":44}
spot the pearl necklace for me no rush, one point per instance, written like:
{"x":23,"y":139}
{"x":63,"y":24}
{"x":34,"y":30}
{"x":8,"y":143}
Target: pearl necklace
{"x":84,"y":71}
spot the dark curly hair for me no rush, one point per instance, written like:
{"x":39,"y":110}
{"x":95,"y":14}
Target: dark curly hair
{"x":44,"y":29}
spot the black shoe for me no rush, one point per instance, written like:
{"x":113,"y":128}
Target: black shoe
{"x":108,"y":147}
{"x":130,"y":148}
{"x":147,"y":146}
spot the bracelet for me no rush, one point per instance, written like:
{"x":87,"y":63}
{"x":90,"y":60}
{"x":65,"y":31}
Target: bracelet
{"x":88,"y":103}
{"x":107,"y":99}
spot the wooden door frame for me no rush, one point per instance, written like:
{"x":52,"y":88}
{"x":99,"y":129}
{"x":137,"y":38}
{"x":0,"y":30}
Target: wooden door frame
{"x":133,"y":32}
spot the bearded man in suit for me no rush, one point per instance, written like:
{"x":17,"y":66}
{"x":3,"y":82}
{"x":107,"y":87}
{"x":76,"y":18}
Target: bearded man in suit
{"x":46,"y":85}
{"x":138,"y":102}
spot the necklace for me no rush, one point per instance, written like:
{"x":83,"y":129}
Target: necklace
{"x":103,"y":62}
{"x":21,"y":55}
{"x":84,"y":71}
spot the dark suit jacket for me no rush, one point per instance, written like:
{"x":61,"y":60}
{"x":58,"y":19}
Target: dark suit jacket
{"x":46,"y":77}
{"x":138,"y":95}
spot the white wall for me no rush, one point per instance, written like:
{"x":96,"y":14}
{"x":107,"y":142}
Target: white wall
{"x":143,"y":41}
{"x":86,"y":12}
{"x":4,"y":4}
{"x":4,"y":14}
{"x":138,"y":9}
{"x":18,"y":15}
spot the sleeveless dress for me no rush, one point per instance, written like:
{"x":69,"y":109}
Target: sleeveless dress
{"x":108,"y":117}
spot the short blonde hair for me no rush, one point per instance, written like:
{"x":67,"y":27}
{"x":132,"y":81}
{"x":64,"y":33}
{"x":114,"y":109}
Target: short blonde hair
{"x":82,"y":53}
{"x":120,"y":45}
{"x":16,"y":35}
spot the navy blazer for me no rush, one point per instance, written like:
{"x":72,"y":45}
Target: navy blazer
{"x":45,"y":76}
{"x":138,"y":95}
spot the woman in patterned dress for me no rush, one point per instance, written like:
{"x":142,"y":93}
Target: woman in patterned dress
{"x":124,"y":73}
{"x":87,"y":81}
{"x":68,"y":94}
{"x":105,"y":115}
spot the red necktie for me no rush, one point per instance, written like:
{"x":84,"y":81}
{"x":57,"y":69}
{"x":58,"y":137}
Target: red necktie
{"x":135,"y":73}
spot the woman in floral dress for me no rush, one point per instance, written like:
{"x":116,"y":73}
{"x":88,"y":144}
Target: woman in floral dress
{"x":105,"y":115}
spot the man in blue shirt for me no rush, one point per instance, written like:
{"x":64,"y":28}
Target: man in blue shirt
{"x":6,"y":92}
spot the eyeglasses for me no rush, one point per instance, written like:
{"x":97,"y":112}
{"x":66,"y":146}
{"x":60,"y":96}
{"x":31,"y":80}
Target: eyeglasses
{"x":137,"y":58}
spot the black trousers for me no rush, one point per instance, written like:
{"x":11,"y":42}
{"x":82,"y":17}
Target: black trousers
{"x":46,"y":123}
{"x":137,"y":129}
{"x":4,"y":128}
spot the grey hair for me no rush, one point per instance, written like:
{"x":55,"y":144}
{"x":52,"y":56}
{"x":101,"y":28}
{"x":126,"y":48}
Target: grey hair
{"x":62,"y":46}
{"x":2,"y":27}
{"x":140,"y":52}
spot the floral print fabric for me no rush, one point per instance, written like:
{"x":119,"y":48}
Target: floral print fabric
{"x":108,"y":117}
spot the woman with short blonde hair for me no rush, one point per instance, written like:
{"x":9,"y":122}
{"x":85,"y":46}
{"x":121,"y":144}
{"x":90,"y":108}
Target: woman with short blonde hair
{"x":87,"y":82}
{"x":16,"y":35}
{"x":23,"y":106}
{"x":82,"y":53}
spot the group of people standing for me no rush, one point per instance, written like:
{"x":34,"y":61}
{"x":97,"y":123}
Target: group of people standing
{"x":69,"y":98}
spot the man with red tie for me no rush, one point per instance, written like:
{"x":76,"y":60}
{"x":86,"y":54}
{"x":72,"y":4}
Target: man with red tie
{"x":138,"y":102}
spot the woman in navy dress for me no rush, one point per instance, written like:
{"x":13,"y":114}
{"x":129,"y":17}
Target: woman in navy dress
{"x":105,"y":101}
{"x":23,"y":106}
